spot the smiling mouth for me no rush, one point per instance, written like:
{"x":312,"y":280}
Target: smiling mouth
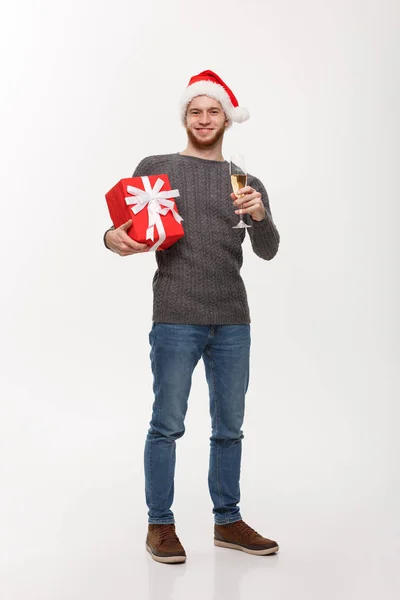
{"x":203,"y":129}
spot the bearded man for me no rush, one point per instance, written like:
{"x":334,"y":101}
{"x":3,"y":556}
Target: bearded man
{"x":200,"y":310}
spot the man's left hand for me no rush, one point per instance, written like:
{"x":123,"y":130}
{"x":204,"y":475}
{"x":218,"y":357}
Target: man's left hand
{"x":249,"y":202}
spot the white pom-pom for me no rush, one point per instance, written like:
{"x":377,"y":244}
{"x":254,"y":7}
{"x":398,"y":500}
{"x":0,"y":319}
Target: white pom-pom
{"x":240,"y":114}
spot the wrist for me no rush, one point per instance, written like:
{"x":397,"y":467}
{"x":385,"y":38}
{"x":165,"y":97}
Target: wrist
{"x":258,"y":218}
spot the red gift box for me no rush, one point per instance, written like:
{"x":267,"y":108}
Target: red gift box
{"x":149,"y":202}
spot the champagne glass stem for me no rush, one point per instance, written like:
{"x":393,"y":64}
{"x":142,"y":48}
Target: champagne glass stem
{"x":240,"y":215}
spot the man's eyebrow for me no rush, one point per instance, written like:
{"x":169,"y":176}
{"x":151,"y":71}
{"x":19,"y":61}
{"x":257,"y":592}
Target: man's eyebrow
{"x":211,"y":108}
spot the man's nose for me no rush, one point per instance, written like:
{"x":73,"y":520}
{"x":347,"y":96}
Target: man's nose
{"x":204,"y":118}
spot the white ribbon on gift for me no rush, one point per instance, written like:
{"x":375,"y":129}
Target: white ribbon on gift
{"x":157,"y":205}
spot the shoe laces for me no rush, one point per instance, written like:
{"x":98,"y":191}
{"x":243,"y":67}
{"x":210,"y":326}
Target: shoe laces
{"x":245,"y":529}
{"x":167,"y":532}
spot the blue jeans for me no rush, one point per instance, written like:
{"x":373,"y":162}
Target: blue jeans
{"x":175,"y":351}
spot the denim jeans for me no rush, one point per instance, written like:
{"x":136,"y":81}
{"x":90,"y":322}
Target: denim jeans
{"x":175,"y":351}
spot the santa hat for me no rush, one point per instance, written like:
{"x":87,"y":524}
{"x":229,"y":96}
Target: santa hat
{"x":208,"y":83}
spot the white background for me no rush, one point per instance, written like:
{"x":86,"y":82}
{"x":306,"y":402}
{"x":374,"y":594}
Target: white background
{"x":88,"y":89}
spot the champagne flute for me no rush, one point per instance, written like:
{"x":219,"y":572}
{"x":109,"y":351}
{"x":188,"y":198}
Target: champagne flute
{"x":237,"y":169}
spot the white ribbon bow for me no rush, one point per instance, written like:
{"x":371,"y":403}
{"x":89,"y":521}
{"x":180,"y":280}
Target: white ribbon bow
{"x":157,"y":204}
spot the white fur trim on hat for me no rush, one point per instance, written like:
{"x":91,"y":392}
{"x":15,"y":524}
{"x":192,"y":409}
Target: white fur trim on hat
{"x":213,"y":90}
{"x":240,"y":114}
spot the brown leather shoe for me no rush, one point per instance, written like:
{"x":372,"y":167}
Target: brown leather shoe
{"x":239,"y":536}
{"x":164,"y":545}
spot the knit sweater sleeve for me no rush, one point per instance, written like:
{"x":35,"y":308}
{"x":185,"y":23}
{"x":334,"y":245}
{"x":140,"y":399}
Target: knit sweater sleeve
{"x":264,"y":235}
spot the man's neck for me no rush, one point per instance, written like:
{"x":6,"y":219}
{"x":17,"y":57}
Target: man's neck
{"x":214,"y":153}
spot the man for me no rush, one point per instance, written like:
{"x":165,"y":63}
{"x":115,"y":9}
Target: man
{"x":200,"y":311}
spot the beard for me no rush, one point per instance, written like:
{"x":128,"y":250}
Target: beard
{"x":201,"y":144}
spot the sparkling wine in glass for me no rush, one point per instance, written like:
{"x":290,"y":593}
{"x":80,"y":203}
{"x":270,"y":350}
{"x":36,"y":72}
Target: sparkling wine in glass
{"x":238,"y":180}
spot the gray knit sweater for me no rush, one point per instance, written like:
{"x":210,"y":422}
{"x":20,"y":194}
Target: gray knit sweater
{"x":198,"y":278}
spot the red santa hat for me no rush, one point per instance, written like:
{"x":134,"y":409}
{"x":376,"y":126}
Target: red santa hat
{"x":209,"y":84}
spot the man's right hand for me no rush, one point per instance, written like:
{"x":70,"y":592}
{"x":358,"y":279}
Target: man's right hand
{"x":119,"y":241}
